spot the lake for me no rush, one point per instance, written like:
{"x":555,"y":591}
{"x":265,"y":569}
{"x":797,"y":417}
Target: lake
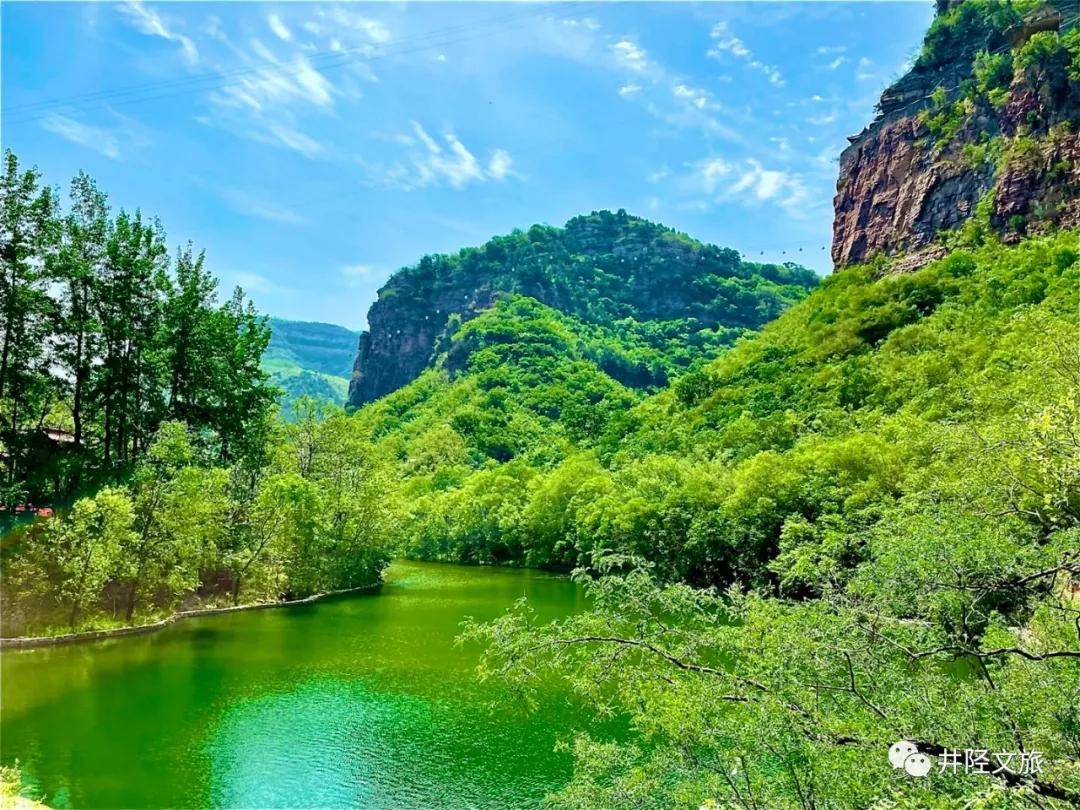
{"x":356,"y":701}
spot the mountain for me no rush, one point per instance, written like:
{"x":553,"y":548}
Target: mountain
{"x":312,"y":359}
{"x":880,"y":485}
{"x":984,"y":126}
{"x":610,"y":269}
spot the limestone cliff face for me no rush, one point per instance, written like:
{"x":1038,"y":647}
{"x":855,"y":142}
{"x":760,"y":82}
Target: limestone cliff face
{"x":986,"y":122}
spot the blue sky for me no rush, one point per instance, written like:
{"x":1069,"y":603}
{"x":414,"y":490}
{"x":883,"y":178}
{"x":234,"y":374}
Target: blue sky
{"x":314,"y":148}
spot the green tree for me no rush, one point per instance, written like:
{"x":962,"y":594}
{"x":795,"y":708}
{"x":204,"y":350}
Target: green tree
{"x":28,"y":235}
{"x":88,"y":545}
{"x":78,"y":267}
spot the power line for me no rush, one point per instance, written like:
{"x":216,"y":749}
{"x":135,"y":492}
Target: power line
{"x":325,"y":60}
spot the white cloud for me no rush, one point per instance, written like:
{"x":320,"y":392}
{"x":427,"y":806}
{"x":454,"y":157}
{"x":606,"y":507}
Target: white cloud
{"x":865,"y":71}
{"x":147,"y":21}
{"x":630,"y":55}
{"x":691,"y":95}
{"x":749,"y":183}
{"x":821,"y":120}
{"x":726,"y":42}
{"x":96,"y":138}
{"x":274,"y":84}
{"x":825,"y":50}
{"x":772,"y":73}
{"x":629,"y":89}
{"x":256,"y":283}
{"x":445,"y":163}
{"x":279,"y":28}
{"x":339,"y":20}
{"x":294,"y":139}
{"x":835,"y":63}
{"x":501,"y":165}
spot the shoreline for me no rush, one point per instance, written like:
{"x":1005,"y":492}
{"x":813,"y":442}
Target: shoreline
{"x":37,"y":642}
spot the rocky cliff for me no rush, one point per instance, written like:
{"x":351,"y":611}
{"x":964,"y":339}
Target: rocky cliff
{"x":601,"y":268}
{"x":984,"y":127}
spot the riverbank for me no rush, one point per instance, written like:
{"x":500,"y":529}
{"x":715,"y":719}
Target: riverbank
{"x":11,"y":786}
{"x":35,"y":642}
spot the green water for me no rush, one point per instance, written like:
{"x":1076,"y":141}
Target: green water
{"x":359,"y":701}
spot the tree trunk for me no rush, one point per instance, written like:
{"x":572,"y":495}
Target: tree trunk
{"x":131,"y":602}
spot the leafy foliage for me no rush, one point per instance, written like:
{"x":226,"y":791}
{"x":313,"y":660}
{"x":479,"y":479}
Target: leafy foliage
{"x":889,"y":478}
{"x":103,"y":339}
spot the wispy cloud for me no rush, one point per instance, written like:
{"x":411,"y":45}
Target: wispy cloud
{"x":694,"y":96}
{"x":630,"y":55}
{"x":726,"y":42}
{"x":501,"y":165}
{"x":338,"y":19}
{"x":356,"y":274}
{"x":281,"y":31}
{"x":249,"y":205}
{"x":865,"y":71}
{"x":445,"y":163}
{"x":149,"y":22}
{"x":99,"y":139}
{"x":747,"y":182}
{"x":256,"y":283}
{"x":276,"y":81}
{"x":629,"y":89}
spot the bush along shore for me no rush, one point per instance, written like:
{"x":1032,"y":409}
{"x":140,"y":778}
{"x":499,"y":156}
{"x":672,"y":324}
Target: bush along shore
{"x":34,"y":642}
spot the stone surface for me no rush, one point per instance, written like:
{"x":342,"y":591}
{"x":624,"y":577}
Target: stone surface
{"x":899,"y":189}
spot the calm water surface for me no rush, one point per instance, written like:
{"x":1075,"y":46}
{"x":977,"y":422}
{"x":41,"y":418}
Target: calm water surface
{"x":358,"y":701}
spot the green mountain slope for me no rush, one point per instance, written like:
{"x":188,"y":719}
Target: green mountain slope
{"x":608,"y":269}
{"x":309,"y":359}
{"x":888,"y":475}
{"x":830,"y":408}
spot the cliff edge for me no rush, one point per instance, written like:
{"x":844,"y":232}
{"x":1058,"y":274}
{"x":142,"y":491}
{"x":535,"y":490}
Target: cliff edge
{"x":985,"y":125}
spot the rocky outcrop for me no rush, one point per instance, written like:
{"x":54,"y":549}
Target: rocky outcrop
{"x":985,"y":121}
{"x":601,"y":268}
{"x":404,"y":327}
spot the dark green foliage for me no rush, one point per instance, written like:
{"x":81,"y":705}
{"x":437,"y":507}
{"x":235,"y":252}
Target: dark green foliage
{"x":608,"y":266}
{"x":104,"y":339}
{"x":649,"y":286}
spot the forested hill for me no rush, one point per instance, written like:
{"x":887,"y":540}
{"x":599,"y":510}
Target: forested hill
{"x":323,"y":347}
{"x":608,"y":269}
{"x":309,"y":359}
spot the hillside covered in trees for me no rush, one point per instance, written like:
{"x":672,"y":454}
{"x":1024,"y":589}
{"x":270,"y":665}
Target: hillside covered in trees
{"x":643,"y":282}
{"x":857,"y":525}
{"x":309,"y":359}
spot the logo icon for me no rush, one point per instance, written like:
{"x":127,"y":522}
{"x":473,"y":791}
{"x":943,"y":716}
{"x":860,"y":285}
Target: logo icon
{"x":905,"y":754}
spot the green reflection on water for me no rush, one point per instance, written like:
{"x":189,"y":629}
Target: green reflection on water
{"x":361,"y":701}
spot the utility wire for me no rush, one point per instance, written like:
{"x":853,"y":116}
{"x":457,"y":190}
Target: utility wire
{"x":324,"y":60}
